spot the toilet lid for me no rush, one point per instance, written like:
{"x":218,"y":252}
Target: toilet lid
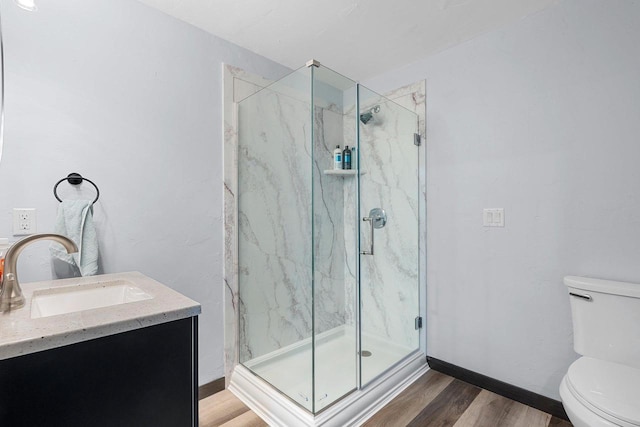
{"x":610,"y":387}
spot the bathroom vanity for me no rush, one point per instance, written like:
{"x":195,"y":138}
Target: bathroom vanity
{"x":111,"y":350}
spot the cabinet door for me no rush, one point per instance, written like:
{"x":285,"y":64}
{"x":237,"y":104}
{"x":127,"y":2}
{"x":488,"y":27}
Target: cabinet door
{"x":144,"y":377}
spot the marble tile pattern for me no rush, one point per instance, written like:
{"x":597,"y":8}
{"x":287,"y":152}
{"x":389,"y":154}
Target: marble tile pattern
{"x":279,"y":314}
{"x":237,"y":85}
{"x":22,"y":335}
{"x":328,"y":226}
{"x":277,"y":161}
{"x":274,"y":221}
{"x":389,"y":285}
{"x":413,"y":98}
{"x":389,"y":278}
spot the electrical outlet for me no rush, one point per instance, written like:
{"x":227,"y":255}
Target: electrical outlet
{"x":24,"y":221}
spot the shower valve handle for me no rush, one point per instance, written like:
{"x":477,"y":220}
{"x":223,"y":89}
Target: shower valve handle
{"x":377,"y":219}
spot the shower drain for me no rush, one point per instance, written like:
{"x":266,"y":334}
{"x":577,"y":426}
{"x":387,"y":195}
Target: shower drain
{"x":365,"y":353}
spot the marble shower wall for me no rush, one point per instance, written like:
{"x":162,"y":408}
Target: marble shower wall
{"x":238,"y":84}
{"x":389,"y":278}
{"x":328,"y":206}
{"x":274,"y":222}
{"x":393,"y":179}
{"x":413,"y":98}
{"x":275,"y":168}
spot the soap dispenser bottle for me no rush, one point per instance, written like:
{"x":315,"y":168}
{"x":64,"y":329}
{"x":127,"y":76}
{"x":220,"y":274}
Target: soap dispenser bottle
{"x":337,"y":158}
{"x":346,"y":158}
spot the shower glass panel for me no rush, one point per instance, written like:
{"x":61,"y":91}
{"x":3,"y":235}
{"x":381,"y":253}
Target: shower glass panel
{"x":275,"y":265}
{"x":334,"y":239}
{"x":388,"y":203}
{"x":308,"y":302}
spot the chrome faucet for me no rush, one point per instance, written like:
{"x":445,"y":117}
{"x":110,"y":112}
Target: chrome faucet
{"x":10,"y":292}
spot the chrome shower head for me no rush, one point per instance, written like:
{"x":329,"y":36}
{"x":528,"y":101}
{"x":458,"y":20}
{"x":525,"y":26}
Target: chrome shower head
{"x":366,"y":117}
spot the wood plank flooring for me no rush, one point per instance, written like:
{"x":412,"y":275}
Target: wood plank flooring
{"x":225,"y":409}
{"x":435,"y":399}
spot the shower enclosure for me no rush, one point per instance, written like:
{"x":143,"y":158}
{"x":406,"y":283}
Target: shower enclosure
{"x":327,"y":259}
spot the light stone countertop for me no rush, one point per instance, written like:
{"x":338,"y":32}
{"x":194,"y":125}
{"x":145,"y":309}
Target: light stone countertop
{"x":20,"y":334}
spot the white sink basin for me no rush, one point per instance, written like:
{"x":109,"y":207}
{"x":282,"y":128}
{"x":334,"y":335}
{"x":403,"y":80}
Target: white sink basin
{"x":70,"y":299}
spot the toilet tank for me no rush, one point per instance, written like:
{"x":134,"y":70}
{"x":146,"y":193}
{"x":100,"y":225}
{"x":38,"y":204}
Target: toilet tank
{"x":606,"y":319}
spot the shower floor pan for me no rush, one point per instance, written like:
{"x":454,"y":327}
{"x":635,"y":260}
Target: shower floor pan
{"x":289,"y":371}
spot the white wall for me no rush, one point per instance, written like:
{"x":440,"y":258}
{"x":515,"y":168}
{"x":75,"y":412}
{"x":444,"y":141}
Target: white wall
{"x":131,"y":98}
{"x":541,"y":118}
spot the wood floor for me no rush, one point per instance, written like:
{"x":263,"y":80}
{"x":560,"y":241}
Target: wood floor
{"x":434,"y":399}
{"x":225,"y":409}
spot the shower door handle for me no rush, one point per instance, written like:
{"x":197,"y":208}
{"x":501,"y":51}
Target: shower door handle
{"x":377,"y":219}
{"x":370,"y":251}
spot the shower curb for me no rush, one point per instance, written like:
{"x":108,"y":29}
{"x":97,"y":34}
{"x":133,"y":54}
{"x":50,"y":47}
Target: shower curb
{"x":353,"y":410}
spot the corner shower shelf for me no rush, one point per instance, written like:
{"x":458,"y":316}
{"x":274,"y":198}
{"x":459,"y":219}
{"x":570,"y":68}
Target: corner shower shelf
{"x":343,"y":172}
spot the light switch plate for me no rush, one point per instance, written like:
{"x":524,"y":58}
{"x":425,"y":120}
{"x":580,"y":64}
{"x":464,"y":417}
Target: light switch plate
{"x":493,"y":217}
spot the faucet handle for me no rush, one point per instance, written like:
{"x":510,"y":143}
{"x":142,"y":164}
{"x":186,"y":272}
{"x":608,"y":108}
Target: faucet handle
{"x":13,"y":297}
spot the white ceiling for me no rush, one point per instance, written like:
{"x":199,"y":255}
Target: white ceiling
{"x":358,"y":38}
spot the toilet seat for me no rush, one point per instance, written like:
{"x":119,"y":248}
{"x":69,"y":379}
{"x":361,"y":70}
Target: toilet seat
{"x":609,"y":389}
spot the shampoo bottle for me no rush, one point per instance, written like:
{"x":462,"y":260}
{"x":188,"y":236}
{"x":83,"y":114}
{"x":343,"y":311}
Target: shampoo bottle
{"x":337,"y":158}
{"x":346,"y":158}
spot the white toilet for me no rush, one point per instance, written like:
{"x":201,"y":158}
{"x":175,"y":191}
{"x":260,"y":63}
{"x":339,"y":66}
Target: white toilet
{"x":602,"y":388}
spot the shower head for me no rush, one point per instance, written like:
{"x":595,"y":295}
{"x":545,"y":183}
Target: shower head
{"x":366,"y":117}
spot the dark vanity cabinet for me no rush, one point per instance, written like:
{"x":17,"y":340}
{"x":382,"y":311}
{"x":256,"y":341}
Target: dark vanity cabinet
{"x":145,"y":377}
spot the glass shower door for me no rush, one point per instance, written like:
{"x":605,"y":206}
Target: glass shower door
{"x":388,"y":246}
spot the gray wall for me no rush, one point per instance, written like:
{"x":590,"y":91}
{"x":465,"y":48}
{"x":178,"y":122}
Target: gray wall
{"x":541,"y":118}
{"x":132,"y":99}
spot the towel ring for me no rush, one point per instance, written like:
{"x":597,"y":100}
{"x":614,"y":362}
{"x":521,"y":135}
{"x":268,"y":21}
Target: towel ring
{"x":75,"y":179}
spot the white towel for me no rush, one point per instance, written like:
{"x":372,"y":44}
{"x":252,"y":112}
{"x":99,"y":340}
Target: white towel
{"x":75,"y":220}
